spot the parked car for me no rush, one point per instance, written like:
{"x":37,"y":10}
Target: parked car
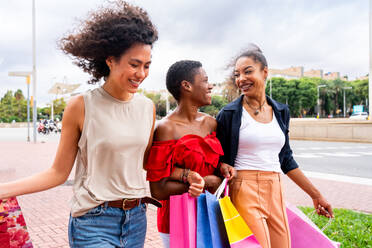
{"x":359,"y":116}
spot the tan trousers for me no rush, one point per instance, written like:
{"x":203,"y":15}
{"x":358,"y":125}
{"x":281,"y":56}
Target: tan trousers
{"x":258,"y":197}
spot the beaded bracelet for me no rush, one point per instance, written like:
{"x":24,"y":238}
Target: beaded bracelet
{"x":185,"y":174}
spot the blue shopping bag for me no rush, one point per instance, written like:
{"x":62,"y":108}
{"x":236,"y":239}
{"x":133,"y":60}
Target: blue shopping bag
{"x":210,"y":226}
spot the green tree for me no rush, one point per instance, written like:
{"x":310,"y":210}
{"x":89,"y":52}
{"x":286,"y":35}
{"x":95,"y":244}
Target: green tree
{"x":172,"y":102}
{"x":160,"y":104}
{"x":13,"y":107}
{"x":230,"y":91}
{"x":59,"y":106}
{"x":218,"y":102}
{"x":359,"y":94}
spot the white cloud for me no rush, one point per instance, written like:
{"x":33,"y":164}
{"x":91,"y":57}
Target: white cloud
{"x":328,"y":35}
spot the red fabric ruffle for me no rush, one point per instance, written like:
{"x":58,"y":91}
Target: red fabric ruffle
{"x":200,"y":154}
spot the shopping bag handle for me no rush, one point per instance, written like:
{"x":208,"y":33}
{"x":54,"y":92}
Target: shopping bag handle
{"x":224,"y":186}
{"x":326,"y":225}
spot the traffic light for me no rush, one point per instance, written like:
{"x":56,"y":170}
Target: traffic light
{"x":32,"y":101}
{"x":28,"y":79}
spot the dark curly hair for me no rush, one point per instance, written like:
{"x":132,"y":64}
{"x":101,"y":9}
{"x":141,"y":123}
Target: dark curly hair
{"x":110,"y":31}
{"x":179,"y":71}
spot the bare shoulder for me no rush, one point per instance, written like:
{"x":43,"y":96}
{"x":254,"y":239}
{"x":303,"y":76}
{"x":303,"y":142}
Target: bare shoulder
{"x":75,"y":105}
{"x":74,"y":111}
{"x":209,"y":121}
{"x":164,"y":130}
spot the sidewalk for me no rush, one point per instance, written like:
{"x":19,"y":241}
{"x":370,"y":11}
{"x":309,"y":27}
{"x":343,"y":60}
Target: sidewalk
{"x":46,"y":213}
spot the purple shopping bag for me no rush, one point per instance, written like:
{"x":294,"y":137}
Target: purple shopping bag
{"x":304,"y":233}
{"x":182,"y":221}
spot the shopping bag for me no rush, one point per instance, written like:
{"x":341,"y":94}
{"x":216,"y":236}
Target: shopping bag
{"x":182,"y":221}
{"x":13,"y":231}
{"x":203,"y":231}
{"x":211,"y":232}
{"x":304,"y":233}
{"x":238,"y":232}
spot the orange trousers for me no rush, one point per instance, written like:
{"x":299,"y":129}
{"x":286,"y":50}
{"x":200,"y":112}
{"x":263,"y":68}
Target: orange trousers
{"x":258,"y":197}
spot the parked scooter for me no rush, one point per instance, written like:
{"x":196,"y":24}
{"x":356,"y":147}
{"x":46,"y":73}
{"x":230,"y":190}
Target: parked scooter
{"x":48,"y":126}
{"x":43,"y":127}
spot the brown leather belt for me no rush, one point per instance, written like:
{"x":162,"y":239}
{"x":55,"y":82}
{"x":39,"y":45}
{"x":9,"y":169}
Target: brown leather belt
{"x":127,"y":204}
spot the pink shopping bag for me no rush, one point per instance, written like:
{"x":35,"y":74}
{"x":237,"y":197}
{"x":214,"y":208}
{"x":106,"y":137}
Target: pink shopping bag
{"x":304,"y":233}
{"x":182,"y":221}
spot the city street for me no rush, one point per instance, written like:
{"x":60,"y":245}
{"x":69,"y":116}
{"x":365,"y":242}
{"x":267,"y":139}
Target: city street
{"x":347,"y":159}
{"x":339,"y":170}
{"x":20,"y":134}
{"x":339,"y":158}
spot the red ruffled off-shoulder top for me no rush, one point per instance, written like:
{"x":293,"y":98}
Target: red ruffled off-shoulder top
{"x":191,"y":151}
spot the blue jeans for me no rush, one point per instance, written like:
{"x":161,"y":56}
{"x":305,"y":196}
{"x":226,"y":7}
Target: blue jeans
{"x":106,"y":227}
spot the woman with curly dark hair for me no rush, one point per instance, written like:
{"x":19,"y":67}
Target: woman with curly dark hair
{"x":108,"y":131}
{"x":253,"y":131}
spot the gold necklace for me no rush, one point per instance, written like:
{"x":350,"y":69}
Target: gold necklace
{"x":256,"y":110}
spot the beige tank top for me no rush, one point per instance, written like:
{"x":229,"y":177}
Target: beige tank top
{"x":109,"y":163}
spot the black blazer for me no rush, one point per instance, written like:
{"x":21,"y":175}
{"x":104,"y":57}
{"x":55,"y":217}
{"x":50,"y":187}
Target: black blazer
{"x":229,"y":120}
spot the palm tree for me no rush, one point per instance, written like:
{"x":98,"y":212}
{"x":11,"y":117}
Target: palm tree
{"x":336,"y":87}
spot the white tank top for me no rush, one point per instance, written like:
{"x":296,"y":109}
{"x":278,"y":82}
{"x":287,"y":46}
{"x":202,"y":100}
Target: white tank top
{"x":109,"y":163}
{"x":259,"y":144}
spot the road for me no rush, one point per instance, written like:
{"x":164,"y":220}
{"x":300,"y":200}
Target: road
{"x":338,"y":158}
{"x":20,"y":134}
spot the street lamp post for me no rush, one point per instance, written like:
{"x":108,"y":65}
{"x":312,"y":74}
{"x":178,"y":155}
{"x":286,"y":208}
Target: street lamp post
{"x":34,"y":116}
{"x":345,"y":88}
{"x":33,"y":73}
{"x":27,"y":75}
{"x":318,"y":102}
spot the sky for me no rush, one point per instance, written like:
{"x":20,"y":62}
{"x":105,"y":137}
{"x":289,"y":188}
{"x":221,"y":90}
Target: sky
{"x":320,"y":34}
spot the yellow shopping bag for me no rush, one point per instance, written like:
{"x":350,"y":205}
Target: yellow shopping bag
{"x":238,"y":232}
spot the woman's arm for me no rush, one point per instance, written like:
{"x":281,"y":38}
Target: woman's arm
{"x":290,"y":167}
{"x":73,"y":120}
{"x":164,"y":188}
{"x":174,"y":185}
{"x":320,"y":203}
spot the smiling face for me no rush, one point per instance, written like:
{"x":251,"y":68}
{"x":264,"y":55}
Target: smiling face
{"x":250,"y":77}
{"x":201,"y":88}
{"x":128,"y":72}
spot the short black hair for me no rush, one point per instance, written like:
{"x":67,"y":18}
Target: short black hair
{"x":179,"y":71}
{"x":109,"y":31}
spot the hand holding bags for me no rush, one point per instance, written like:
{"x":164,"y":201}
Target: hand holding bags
{"x":304,"y":233}
{"x":182,"y":221}
{"x":209,"y":225}
{"x":240,"y":235}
